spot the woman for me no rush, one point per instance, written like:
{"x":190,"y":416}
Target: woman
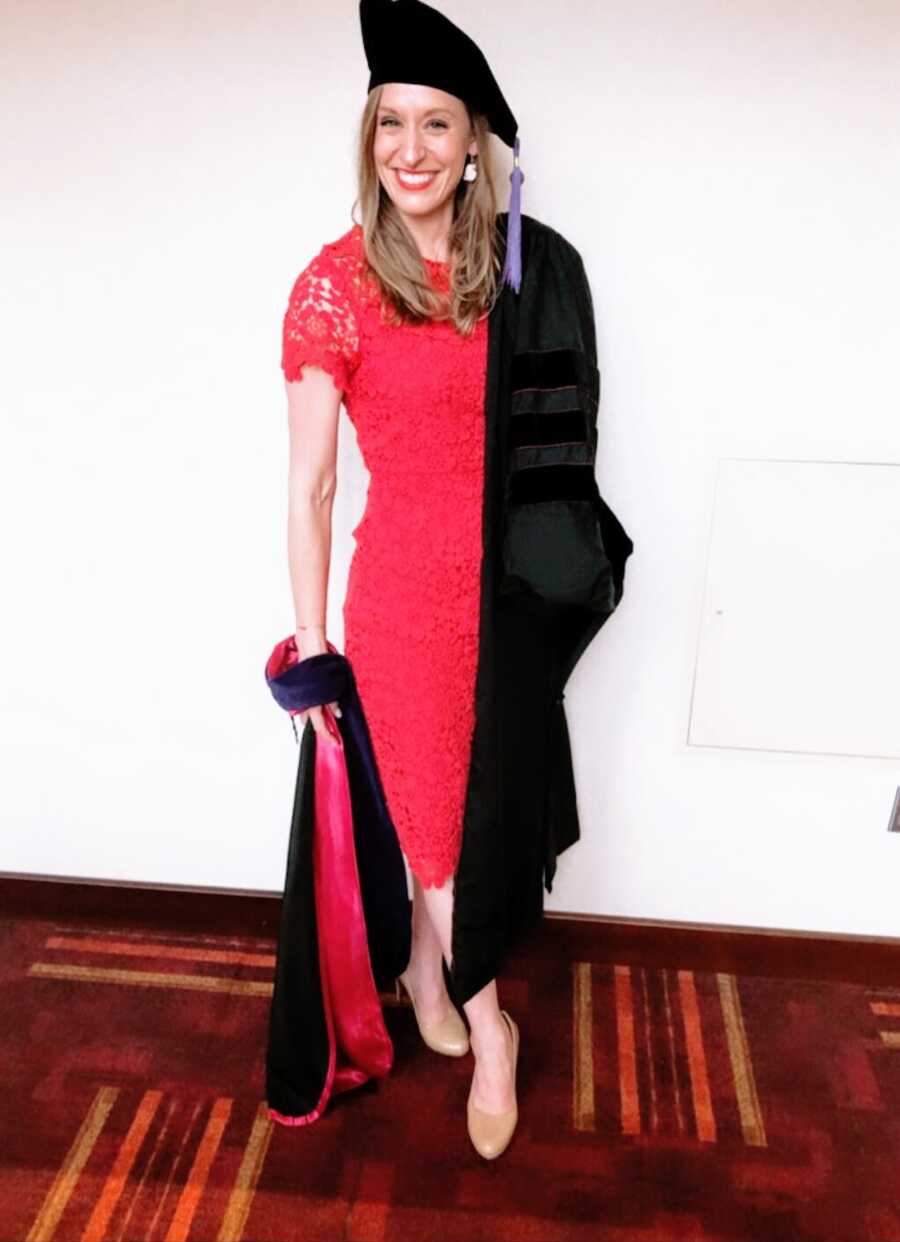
{"x":392,"y":318}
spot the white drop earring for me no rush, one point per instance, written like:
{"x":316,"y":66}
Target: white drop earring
{"x":470,"y":172}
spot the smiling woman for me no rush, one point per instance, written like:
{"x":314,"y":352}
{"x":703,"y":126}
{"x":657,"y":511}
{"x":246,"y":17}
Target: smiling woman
{"x":456,"y":375}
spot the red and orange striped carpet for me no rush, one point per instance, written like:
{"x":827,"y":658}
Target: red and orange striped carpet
{"x":655,"y":1104}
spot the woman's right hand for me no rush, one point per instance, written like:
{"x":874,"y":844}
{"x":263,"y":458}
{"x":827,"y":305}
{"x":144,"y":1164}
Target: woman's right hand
{"x":322,"y":717}
{"x":312,"y":642}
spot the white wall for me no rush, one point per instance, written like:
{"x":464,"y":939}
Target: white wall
{"x":729,"y":173}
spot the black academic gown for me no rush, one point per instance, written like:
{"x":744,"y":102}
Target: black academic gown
{"x":553,"y":570}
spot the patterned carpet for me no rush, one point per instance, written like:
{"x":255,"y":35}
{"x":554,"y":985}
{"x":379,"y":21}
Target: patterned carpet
{"x":657,"y":1105}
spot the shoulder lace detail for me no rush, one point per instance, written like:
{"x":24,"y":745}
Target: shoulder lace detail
{"x":320,"y":324}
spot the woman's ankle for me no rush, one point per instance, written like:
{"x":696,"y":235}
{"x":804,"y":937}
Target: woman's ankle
{"x":426,"y":971}
{"x":488,"y":1036}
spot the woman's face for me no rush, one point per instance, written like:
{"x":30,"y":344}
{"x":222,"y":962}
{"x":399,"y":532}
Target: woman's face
{"x":427,"y":132}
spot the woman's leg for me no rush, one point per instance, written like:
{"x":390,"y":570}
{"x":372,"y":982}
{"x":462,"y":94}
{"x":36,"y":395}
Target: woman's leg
{"x":493,"y":1089}
{"x":424,"y":969}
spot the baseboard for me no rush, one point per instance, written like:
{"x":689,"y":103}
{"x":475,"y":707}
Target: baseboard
{"x":561,"y":935}
{"x":182,"y":907}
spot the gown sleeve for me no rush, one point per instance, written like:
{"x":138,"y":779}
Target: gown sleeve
{"x":320,"y":323}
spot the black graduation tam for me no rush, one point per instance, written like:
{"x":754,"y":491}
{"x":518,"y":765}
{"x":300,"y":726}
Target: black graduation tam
{"x":409,"y":41}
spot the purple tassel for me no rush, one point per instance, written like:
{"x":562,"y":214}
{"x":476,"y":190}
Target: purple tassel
{"x":512,"y":267}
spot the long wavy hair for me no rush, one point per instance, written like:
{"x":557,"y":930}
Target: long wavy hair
{"x":393,"y":256}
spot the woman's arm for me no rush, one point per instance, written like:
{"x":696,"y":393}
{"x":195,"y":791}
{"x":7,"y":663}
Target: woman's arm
{"x":313,"y":408}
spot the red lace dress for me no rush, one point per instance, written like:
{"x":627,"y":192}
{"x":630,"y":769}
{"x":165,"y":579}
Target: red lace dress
{"x":415,"y":394}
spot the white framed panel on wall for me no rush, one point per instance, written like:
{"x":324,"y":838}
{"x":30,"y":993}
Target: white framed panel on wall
{"x":799,"y":639}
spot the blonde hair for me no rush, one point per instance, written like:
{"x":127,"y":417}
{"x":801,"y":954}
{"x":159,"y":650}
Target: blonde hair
{"x":393,"y":257}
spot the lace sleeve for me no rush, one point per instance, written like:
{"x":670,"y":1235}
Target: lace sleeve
{"x":320,"y":325}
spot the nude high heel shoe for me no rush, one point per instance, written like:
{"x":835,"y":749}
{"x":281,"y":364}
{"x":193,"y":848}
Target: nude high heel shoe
{"x":448,"y":1036}
{"x":491,"y":1132}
